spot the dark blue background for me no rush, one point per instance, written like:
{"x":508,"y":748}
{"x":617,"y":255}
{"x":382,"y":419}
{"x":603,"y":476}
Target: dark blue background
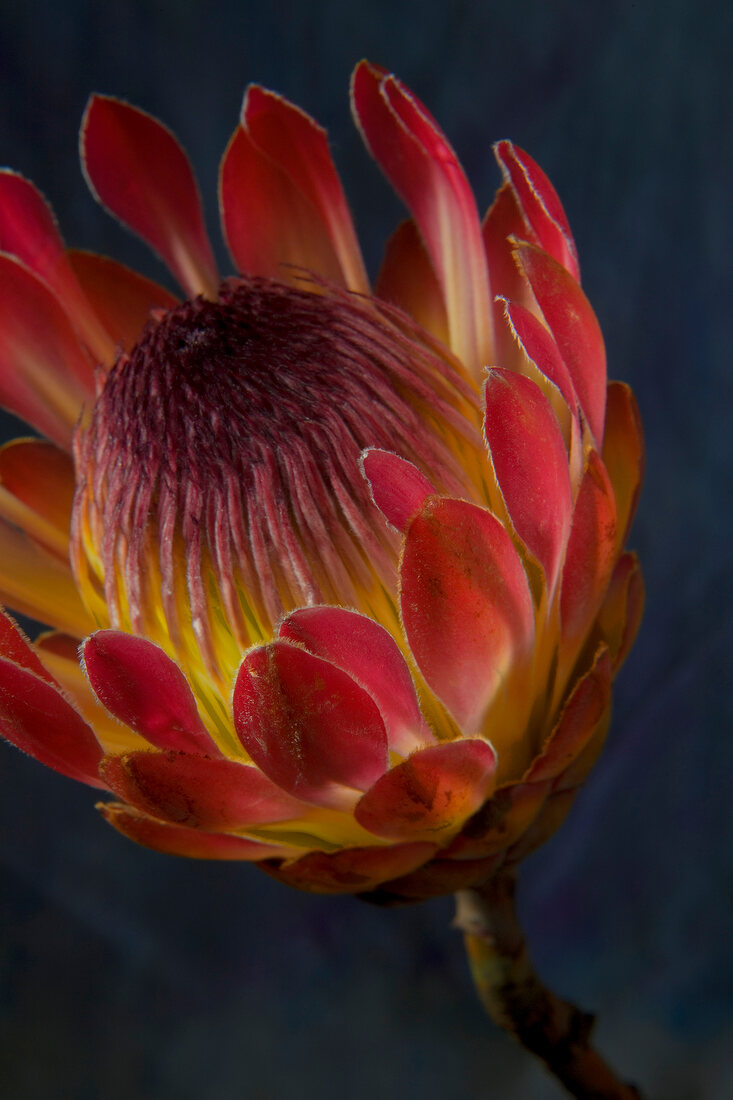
{"x":126,"y":974}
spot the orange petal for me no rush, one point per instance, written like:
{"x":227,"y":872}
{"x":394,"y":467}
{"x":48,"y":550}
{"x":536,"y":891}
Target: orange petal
{"x":178,"y":840}
{"x":548,"y":821}
{"x":500,"y":822}
{"x":270,"y":226}
{"x":121,"y":299}
{"x":424,"y":170}
{"x":28,"y":231}
{"x":139,"y":172}
{"x":45,"y":376}
{"x":407,"y":280}
{"x":293,"y":141}
{"x":623,"y":454}
{"x":352,"y":870}
{"x":444,"y":876}
{"x":590,"y":554}
{"x":620,"y":615}
{"x":36,"y":583}
{"x":432,"y":792}
{"x":582,"y":713}
{"x":37,"y":490}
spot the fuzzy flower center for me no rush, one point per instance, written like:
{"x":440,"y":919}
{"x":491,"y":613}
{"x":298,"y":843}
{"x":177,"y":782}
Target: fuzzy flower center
{"x":218,"y":480}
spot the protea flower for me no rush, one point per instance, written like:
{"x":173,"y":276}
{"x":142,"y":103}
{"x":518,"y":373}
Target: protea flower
{"x":336,"y":575}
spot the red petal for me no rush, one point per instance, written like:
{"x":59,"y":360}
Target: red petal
{"x":531,"y":464}
{"x":299,"y":147}
{"x":139,"y":172}
{"x":45,"y":377}
{"x":466,"y":605}
{"x":177,"y":840}
{"x":623,"y":454}
{"x":138,"y":683}
{"x":573,"y":323}
{"x":39,"y":478}
{"x":539,"y":204}
{"x":15,"y":647}
{"x":407,"y":280}
{"x":538,"y":345}
{"x":398,"y":488}
{"x":28,"y":231}
{"x":307,"y":724}
{"x":432,"y":792}
{"x":268,"y":223}
{"x":369,"y":654}
{"x":36,"y":718}
{"x":198,"y":791}
{"x":424,"y":170}
{"x":502,"y":223}
{"x":590,"y":554}
{"x":584,"y":709}
{"x":620,"y":615}
{"x":121,"y":299}
{"x":353,"y":870}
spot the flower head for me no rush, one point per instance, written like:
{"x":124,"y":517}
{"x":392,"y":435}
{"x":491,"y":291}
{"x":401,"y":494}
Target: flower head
{"x":347,"y":567}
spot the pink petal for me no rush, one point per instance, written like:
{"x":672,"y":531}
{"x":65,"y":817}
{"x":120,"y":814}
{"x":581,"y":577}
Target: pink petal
{"x":120,"y":298}
{"x":584,"y":709}
{"x":590,"y":554}
{"x":138,"y":683}
{"x":422,"y":167}
{"x":623,"y":454}
{"x":352,"y":870}
{"x":15,"y":647}
{"x":540,"y":206}
{"x":28,"y":231}
{"x":466,"y":605}
{"x":407,"y":280}
{"x":369,"y":654}
{"x":269,"y":225}
{"x":432,"y":792}
{"x":294,"y":142}
{"x":573,"y":324}
{"x":139,"y":172}
{"x":531,"y":465}
{"x":178,"y":840}
{"x":198,"y":791}
{"x":307,"y":724}
{"x":398,"y":488}
{"x":45,"y":377}
{"x":36,"y":718}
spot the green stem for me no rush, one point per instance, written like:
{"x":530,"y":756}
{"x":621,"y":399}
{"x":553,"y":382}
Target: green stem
{"x":516,"y":1000}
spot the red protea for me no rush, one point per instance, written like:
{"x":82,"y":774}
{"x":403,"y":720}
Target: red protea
{"x":349,"y":566}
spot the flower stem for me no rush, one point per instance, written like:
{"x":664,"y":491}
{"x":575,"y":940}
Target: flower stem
{"x":516,"y":1000}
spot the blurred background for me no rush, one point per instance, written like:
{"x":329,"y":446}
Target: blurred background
{"x":129,"y":974}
